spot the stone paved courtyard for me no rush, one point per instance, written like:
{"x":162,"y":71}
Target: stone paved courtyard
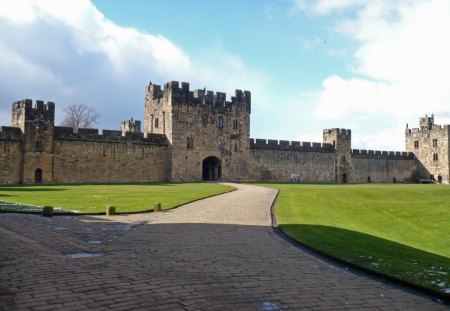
{"x":219,"y":253}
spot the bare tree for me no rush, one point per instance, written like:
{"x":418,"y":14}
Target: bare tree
{"x":80,"y":116}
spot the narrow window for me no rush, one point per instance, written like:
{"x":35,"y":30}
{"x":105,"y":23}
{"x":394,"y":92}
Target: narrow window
{"x":435,"y":143}
{"x":220,"y":122}
{"x":343,"y":158}
{"x":190,"y":142}
{"x":39,"y":146}
{"x":435,"y":157}
{"x":235,"y":124}
{"x":416,"y":144}
{"x":235,"y":147}
{"x":156,"y":123}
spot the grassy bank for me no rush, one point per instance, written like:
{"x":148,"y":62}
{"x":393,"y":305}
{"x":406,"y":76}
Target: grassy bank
{"x":91,"y":199}
{"x":399,"y":230}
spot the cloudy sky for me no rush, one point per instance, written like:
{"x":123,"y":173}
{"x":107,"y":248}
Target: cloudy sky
{"x":371,"y":66}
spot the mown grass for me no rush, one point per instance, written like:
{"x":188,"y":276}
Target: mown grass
{"x":402,"y":231}
{"x":94,"y":198}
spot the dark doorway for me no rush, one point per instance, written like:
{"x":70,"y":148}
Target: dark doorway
{"x":38,"y":176}
{"x":440,"y":179}
{"x":211,"y":169}
{"x":344,"y":178}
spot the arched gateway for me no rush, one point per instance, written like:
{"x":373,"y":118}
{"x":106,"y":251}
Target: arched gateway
{"x":211,"y":169}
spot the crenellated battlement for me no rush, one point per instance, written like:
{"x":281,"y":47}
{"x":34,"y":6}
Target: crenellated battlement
{"x":177,"y":95}
{"x":426,"y":130}
{"x":67,"y":133}
{"x":10,"y":133}
{"x":361,"y":153}
{"x":286,"y":145}
{"x":337,"y":131}
{"x":24,"y":114}
{"x":39,"y":107}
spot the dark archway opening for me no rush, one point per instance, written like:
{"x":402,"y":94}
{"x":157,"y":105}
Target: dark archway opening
{"x":344,"y":178}
{"x":440,"y":179}
{"x":211,"y":169}
{"x":38,"y":176}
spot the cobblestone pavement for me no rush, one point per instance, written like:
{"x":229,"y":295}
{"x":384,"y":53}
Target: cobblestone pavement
{"x":215,"y":254}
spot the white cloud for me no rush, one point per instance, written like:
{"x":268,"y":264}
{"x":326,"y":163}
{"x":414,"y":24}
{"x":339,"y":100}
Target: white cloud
{"x":400,"y":70}
{"x":69,"y":52}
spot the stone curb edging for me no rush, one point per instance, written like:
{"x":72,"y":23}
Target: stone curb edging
{"x":409,"y":287}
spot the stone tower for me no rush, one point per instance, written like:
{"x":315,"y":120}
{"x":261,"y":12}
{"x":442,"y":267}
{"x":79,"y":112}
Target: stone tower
{"x":208,"y":136}
{"x":341,"y":139}
{"x":37,"y":125}
{"x":133,"y":126}
{"x":430,"y":145}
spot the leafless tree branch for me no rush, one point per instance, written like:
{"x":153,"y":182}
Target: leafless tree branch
{"x":80,"y":116}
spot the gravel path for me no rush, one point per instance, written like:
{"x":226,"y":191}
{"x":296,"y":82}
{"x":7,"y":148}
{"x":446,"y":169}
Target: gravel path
{"x":214,"y":254}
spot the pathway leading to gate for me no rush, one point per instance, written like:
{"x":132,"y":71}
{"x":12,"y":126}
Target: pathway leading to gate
{"x":219,"y":253}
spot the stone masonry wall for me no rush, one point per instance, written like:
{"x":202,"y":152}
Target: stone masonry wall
{"x":88,"y":157}
{"x":383,"y":167}
{"x":84,"y":161}
{"x":276,"y":161}
{"x":10,"y":155}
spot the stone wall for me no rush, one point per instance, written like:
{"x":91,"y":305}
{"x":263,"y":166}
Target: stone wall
{"x":10,"y":155}
{"x":87,"y":156}
{"x":276,"y":161}
{"x":383,"y":167}
{"x":89,"y":161}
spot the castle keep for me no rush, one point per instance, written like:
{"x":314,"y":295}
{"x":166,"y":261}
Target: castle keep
{"x":199,"y":135}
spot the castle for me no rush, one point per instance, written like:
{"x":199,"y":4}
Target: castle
{"x":199,"y":135}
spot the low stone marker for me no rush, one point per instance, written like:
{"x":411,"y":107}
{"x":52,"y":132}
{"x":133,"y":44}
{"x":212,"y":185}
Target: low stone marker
{"x":157,"y":207}
{"x":47,"y":211}
{"x":110,"y":210}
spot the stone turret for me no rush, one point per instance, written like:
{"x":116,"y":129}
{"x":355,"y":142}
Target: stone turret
{"x":341,"y":140}
{"x":130,"y":126}
{"x":37,"y":124}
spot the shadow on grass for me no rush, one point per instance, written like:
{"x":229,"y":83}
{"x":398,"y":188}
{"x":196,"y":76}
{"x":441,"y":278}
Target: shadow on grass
{"x":395,"y":260}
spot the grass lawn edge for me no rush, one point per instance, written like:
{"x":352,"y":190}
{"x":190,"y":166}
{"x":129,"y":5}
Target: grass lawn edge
{"x":68,"y":213}
{"x":416,"y":288}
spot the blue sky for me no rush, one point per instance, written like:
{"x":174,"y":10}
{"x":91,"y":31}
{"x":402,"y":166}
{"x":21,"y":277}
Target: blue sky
{"x":371,"y":66}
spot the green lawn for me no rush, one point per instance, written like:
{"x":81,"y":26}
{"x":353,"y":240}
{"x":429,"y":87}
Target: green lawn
{"x":92,"y":199}
{"x":399,"y":230}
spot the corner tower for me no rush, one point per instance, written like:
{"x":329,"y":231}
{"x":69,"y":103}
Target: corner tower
{"x":37,"y":125}
{"x":341,"y":140}
{"x":209,"y":136}
{"x":430,"y":144}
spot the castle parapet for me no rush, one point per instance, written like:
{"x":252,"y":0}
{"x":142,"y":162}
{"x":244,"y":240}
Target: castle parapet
{"x":339,"y":131}
{"x":10,"y":133}
{"x":285,"y":145}
{"x":358,"y":153}
{"x":40,"y":108}
{"x":133,"y":126}
{"x":183,"y":96}
{"x":67,"y":133}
